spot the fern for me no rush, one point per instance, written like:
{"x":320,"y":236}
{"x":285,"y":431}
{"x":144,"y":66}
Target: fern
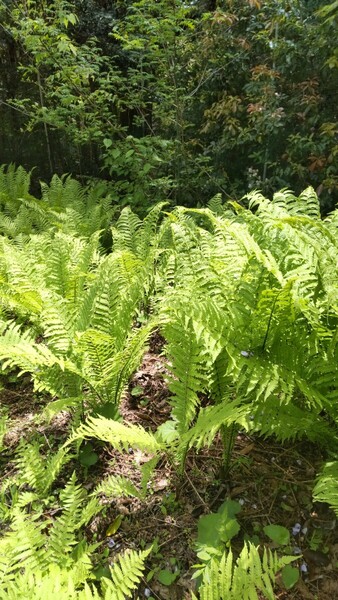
{"x":38,"y":471}
{"x":126,"y":574}
{"x":36,"y":583}
{"x":75,"y":514}
{"x":44,"y":585}
{"x":118,"y":369}
{"x":71,"y":304}
{"x":215,"y":205}
{"x":115,"y":486}
{"x":326,"y":488}
{"x":287,"y":422}
{"x":63,"y":584}
{"x":125,"y":230}
{"x":244,"y":301}
{"x":65,"y":205}
{"x":209,"y":422}
{"x":246,"y":577}
{"x":23,"y":546}
{"x":14,"y":184}
{"x":188,"y":371}
{"x":32,"y":544}
{"x":120,"y":436}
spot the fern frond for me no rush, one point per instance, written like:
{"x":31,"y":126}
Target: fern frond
{"x":146,"y":236}
{"x":125,"y":230}
{"x":126,"y":574}
{"x":18,"y":349}
{"x":14,"y":183}
{"x":326,"y":488}
{"x":61,"y":192}
{"x":118,"y":435}
{"x":68,"y":260}
{"x":56,"y":406}
{"x":215,"y":205}
{"x":118,"y":369}
{"x":62,"y":537}
{"x":119,"y":290}
{"x":309,"y":203}
{"x":42,"y":585}
{"x":23,"y":547}
{"x":97,"y":348}
{"x":243,"y":579}
{"x":189,"y":373}
{"x":114,"y":486}
{"x":286,"y":421}
{"x":58,"y":321}
{"x":210,"y":421}
{"x":38,"y":471}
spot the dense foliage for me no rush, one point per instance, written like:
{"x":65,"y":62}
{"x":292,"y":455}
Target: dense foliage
{"x":244,"y":296}
{"x":169,"y":116}
{"x":170,"y":99}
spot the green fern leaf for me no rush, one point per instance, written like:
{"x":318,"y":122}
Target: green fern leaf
{"x":326,"y":488}
{"x":118,"y":435}
{"x":126,"y":574}
{"x":250,"y":574}
{"x":115,"y":486}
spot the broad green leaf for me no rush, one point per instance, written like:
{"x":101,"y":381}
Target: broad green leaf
{"x":290,"y":576}
{"x":278,"y":534}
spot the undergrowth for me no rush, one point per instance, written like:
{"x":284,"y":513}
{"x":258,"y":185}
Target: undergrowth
{"x":245,"y":297}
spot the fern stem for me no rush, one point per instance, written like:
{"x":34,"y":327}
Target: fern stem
{"x":269,"y":322}
{"x":184,"y":458}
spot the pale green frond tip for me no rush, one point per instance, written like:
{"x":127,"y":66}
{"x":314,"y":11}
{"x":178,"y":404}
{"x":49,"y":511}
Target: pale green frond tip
{"x":120,"y":436}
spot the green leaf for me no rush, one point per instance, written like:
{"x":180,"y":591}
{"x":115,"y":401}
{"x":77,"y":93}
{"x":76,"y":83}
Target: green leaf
{"x":107,"y":142}
{"x":167,"y":432}
{"x":166,"y":577}
{"x":108,"y":410}
{"x":101,"y":572}
{"x":137,"y":391}
{"x":278,"y":534}
{"x":217,"y":529}
{"x":114,"y":526}
{"x":229,"y":508}
{"x":290,"y":576}
{"x":286,"y":507}
{"x":87,"y":457}
{"x":146,"y":168}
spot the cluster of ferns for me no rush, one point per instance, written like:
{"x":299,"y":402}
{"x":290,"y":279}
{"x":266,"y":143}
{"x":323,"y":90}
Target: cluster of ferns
{"x":245,"y":299}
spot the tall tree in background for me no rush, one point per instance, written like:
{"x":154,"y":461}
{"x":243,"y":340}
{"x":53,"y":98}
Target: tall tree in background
{"x":170,"y":99}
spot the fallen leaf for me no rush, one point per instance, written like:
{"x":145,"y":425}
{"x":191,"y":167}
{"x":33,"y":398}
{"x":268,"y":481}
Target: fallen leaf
{"x":246,"y":450}
{"x":161,"y":484}
{"x":114,"y":526}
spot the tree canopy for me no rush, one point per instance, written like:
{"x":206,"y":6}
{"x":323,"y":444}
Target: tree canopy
{"x":170,"y":99}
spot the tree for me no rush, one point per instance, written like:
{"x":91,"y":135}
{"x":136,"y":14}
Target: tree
{"x":177,"y":100}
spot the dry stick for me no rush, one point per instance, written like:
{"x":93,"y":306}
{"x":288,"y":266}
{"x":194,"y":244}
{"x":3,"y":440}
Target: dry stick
{"x":196,"y":492}
{"x":272,"y":503}
{"x":172,"y":539}
{"x":224,"y":487}
{"x":146,"y":584}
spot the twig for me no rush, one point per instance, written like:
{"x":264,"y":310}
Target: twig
{"x":196,"y":492}
{"x":171,"y":539}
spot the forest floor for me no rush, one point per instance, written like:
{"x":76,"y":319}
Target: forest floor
{"x":272,"y":482}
